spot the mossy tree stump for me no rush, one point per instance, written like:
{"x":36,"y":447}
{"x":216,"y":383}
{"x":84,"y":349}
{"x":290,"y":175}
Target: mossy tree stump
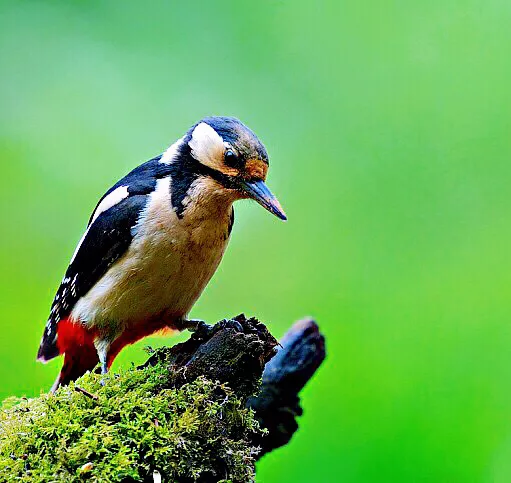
{"x":203,"y":410}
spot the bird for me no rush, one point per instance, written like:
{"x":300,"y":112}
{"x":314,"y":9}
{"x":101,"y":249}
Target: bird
{"x":152,"y":244}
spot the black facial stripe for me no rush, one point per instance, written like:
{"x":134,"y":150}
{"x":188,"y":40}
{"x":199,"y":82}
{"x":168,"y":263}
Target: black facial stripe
{"x":185,"y":170}
{"x":180,"y":185}
{"x":224,"y":179}
{"x":182,"y":176}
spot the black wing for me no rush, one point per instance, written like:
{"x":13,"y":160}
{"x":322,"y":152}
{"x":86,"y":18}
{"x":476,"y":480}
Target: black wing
{"x":140,"y":181}
{"x":104,"y":242}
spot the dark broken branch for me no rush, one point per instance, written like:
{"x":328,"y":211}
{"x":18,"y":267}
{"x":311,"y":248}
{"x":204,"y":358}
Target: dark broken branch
{"x":232,"y":351}
{"x":237,"y":351}
{"x":277,"y":405}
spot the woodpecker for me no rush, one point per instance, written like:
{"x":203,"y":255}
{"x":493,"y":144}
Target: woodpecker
{"x":152,"y":244}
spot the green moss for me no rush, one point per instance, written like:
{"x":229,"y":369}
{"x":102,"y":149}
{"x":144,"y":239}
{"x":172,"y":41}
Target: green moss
{"x":135,"y":426}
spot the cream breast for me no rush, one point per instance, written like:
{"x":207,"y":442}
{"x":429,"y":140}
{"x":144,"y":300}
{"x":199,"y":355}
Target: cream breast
{"x":169,"y":262}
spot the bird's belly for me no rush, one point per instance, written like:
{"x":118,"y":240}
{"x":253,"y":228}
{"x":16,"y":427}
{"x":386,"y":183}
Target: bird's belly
{"x":160,"y":276}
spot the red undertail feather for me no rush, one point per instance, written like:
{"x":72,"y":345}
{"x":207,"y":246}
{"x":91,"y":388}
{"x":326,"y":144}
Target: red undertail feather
{"x":76,"y":342}
{"x":135,"y":333}
{"x":77,"y":345}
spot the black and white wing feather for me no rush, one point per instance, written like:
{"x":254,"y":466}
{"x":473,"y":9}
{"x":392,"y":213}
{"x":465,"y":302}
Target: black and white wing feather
{"x":111,"y":228}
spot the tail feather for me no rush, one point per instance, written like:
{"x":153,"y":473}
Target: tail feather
{"x":48,"y":348}
{"x":47,"y":352}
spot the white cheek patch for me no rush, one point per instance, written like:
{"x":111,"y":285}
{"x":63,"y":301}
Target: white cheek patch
{"x":207,"y":146}
{"x":171,"y":153}
{"x":113,"y":198}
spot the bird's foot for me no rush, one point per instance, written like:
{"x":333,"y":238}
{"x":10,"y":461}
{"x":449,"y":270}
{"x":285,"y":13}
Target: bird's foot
{"x":104,"y":372}
{"x":193,"y":325}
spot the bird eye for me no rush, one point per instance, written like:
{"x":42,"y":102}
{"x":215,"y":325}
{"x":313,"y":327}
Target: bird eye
{"x":230,"y":158}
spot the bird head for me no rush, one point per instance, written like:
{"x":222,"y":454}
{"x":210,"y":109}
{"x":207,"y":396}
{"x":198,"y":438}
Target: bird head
{"x":230,"y":153}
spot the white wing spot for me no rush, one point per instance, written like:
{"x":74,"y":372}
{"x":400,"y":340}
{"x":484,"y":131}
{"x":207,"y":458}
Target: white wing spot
{"x":110,"y":200}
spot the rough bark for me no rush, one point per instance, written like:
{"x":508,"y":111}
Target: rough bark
{"x":238,"y":352}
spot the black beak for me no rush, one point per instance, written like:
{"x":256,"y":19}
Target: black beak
{"x":259,"y":192}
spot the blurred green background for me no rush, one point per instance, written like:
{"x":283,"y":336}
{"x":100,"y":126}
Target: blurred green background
{"x":388,"y":127}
